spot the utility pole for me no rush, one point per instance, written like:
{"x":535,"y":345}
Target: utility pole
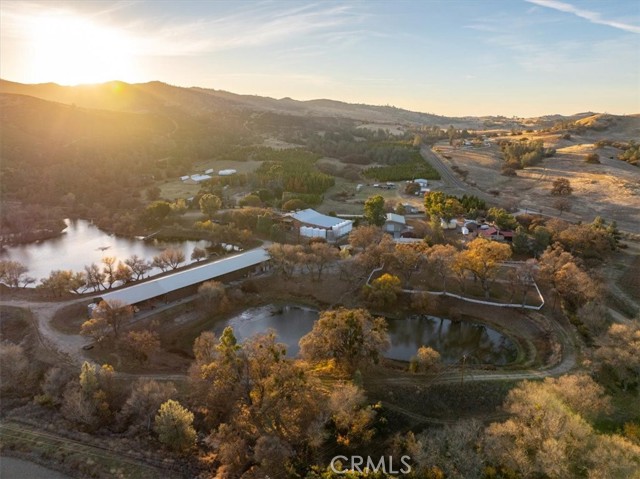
{"x":464,"y":360}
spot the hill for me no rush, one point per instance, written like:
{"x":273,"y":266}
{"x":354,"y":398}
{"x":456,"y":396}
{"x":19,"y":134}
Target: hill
{"x":158,"y":96}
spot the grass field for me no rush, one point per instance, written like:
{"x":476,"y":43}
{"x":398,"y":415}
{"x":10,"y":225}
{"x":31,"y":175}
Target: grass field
{"x":174,"y":188}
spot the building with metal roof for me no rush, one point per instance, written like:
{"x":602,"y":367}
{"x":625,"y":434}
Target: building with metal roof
{"x":314,"y":224}
{"x":193,"y":276}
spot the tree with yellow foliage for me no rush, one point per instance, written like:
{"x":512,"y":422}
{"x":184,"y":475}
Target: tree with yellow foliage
{"x":482,"y":258}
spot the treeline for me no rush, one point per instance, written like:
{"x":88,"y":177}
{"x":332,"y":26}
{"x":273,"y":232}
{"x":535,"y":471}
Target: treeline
{"x":293,"y":173}
{"x":94,"y":164}
{"x":97,"y":277}
{"x":630,"y":151}
{"x":441,"y":205}
{"x":521,"y":154}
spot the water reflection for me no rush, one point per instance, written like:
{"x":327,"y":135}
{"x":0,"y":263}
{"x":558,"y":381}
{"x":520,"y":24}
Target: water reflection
{"x":81,"y":244}
{"x":452,"y":339}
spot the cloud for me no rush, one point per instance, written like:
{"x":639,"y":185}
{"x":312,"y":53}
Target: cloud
{"x":250,"y":25}
{"x":593,"y":17}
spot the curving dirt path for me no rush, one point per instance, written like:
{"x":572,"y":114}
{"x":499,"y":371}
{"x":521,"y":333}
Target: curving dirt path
{"x":67,"y":345}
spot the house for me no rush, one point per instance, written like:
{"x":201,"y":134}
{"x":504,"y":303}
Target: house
{"x":424,"y":186}
{"x":409,"y":209}
{"x":395,"y":224}
{"x":313,"y":224}
{"x":495,"y":234}
{"x":209,"y":171}
{"x":227,"y":172}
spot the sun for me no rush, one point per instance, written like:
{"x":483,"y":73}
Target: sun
{"x":70,"y":50}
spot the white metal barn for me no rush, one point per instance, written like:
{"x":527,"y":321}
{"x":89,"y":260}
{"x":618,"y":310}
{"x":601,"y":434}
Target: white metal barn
{"x":313,"y":224}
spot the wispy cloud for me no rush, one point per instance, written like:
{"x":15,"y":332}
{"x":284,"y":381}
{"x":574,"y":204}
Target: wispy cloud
{"x":250,"y":25}
{"x":591,"y":16}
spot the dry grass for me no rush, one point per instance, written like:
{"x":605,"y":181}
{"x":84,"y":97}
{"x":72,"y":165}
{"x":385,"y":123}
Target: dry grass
{"x":610,"y":189}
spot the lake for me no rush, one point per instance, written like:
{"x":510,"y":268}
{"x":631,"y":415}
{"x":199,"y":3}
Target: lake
{"x":82,"y":243}
{"x":452,"y":340}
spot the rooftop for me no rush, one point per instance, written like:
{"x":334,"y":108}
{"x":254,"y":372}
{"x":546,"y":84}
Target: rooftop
{"x":394,"y":218}
{"x":314,"y":218}
{"x":181,"y":279}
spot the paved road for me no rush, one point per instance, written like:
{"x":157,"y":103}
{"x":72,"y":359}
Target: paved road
{"x":446,"y":173}
{"x":450,"y":178}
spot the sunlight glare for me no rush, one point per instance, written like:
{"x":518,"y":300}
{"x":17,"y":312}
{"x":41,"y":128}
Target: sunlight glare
{"x":71,"y":50}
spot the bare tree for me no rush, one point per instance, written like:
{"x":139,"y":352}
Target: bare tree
{"x":138,"y":266}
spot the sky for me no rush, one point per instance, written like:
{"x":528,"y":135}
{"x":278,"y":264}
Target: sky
{"x":449,"y":57}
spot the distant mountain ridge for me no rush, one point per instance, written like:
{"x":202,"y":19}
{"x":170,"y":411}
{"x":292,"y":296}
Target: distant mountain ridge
{"x":157,"y":96}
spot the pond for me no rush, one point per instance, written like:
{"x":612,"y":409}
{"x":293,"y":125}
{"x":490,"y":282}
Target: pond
{"x":82,"y":243}
{"x":451,"y":339}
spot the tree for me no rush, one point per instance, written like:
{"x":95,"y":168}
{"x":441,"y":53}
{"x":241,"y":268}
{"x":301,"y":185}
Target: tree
{"x":374,"y":210}
{"x":294,"y":204}
{"x":15,"y":369}
{"x":441,"y":259}
{"x":214,"y":296}
{"x":156,"y":212}
{"x":364,"y":237}
{"x":142,"y":344}
{"x":407,"y":259}
{"x":198,"y":254}
{"x":575,"y":286}
{"x":426,"y":359}
{"x":351,"y":337}
{"x":451,"y":451}
{"x":139,"y":266}
{"x":439,"y":205}
{"x":562,"y":204}
{"x":549,"y":433}
{"x":114,"y":314}
{"x":94,"y":277}
{"x":383,"y":291}
{"x":61,"y":282}
{"x":179,"y":206}
{"x":258,"y":400}
{"x":541,"y":239}
{"x":319,"y":256}
{"x":619,"y":351}
{"x":251,"y":200}
{"x":482,"y":258}
{"x":169,"y":258}
{"x":174,"y":426}
{"x":351,"y":417}
{"x":520,"y":242}
{"x":109,"y":270}
{"x":285,"y":258}
{"x":12,"y":273}
{"x":412,"y":188}
{"x":123,"y":273}
{"x":520,"y":279}
{"x":561,"y":187}
{"x":502,"y":219}
{"x":173,"y":257}
{"x":144,"y":401}
{"x":209,"y":204}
